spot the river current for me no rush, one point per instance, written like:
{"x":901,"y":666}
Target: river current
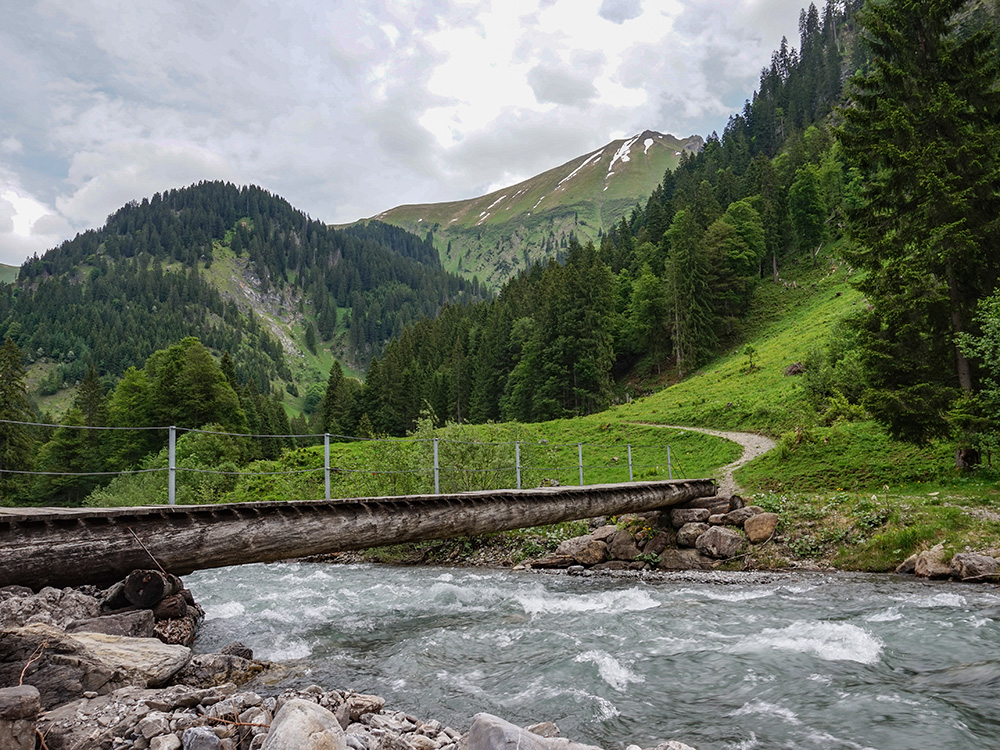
{"x":717,"y":661}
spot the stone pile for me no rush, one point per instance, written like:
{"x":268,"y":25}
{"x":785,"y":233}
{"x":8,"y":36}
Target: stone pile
{"x":964,"y":566}
{"x":147,"y":604}
{"x":696,"y":535}
{"x":76,"y":689}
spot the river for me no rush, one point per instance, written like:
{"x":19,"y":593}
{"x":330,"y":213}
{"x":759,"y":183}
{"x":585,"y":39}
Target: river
{"x":790,"y":660}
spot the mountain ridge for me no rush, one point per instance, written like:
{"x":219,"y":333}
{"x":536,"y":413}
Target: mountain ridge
{"x":495,"y":235}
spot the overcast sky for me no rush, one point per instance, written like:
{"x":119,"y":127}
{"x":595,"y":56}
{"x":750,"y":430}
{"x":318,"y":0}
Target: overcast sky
{"x":346,"y":108}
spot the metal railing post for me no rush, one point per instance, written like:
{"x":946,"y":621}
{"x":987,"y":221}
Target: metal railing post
{"x":579,"y":459}
{"x":172,"y":466}
{"x":630,"y":462}
{"x":326,"y":463}
{"x":517,"y":461}
{"x":670,"y":469}
{"x":437,"y":470}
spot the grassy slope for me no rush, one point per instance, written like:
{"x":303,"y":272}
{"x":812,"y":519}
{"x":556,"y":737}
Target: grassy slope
{"x":495,"y":235}
{"x":849,"y":495}
{"x":8,"y":273}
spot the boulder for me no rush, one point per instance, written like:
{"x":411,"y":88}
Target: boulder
{"x":604,"y":533}
{"x":739,"y":516}
{"x":931,"y":563}
{"x":968,"y":565}
{"x":683,"y":559}
{"x":585,"y":550}
{"x":362,"y":704}
{"x":908,"y":565}
{"x":71,"y":664}
{"x":19,"y":708}
{"x":303,"y":725}
{"x":760,"y":527}
{"x":656,"y":545}
{"x":492,"y":733}
{"x":687,"y":535}
{"x":717,"y":519}
{"x":136,"y":624}
{"x":720,"y":543}
{"x":203,"y":738}
{"x":622,"y":546}
{"x":681,"y":516}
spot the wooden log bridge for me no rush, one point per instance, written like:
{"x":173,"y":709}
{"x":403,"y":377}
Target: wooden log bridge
{"x":73,"y":546}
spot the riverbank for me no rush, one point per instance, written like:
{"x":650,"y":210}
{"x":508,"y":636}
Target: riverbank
{"x":69,"y":679}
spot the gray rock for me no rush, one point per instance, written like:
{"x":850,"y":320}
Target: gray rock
{"x":717,"y":519}
{"x":739,"y":516}
{"x":604,"y":533}
{"x":760,"y":527}
{"x":166,"y":742}
{"x":49,"y":606}
{"x":361,"y":704}
{"x":687,"y":535}
{"x":71,"y":664}
{"x":720,"y":543}
{"x":199,"y":738}
{"x":302,"y":725}
{"x":137,"y":624}
{"x":622,"y":546}
{"x":683,"y":559}
{"x":491,"y":733}
{"x":19,"y":708}
{"x":966,"y":565}
{"x":681,"y":516}
{"x":931,"y":563}
{"x":909,"y":565}
{"x":656,"y":545}
{"x":585,"y":550}
{"x":673,"y":745}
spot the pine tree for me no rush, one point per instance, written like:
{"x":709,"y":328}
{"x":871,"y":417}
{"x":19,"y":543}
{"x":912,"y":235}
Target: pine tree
{"x":687,"y":272}
{"x":922,"y":132}
{"x":16,"y":440}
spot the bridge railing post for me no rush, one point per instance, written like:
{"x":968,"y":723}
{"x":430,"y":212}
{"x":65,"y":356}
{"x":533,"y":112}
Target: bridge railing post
{"x":517,"y":461}
{"x":326,"y":464}
{"x":670,"y":469}
{"x":172,"y":466}
{"x":437,"y":469}
{"x":630,"y":462}
{"x":579,"y":460}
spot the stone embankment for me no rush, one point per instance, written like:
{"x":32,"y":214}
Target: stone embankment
{"x":964,"y":566}
{"x":74,"y":675}
{"x":698,"y":535}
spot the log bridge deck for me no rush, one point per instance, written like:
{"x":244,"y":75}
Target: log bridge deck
{"x":73,"y":546}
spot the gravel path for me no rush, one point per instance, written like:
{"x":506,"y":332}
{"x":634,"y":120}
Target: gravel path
{"x":754,"y":445}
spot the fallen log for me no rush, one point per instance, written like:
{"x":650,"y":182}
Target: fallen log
{"x":144,"y":588}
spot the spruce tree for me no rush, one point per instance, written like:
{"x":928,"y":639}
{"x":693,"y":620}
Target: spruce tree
{"x":16,"y":440}
{"x":922,"y":132}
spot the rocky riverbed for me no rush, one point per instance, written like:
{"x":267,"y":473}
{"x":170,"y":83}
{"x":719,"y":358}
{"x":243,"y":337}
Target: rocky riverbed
{"x":67,"y":683}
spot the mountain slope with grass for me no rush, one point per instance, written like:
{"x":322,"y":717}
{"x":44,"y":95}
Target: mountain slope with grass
{"x":7,"y":273}
{"x":494,"y":236}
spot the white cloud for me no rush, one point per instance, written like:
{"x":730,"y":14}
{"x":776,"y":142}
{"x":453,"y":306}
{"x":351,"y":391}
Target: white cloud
{"x":347,"y":109}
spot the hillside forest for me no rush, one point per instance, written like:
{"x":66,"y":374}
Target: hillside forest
{"x":872,"y":146}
